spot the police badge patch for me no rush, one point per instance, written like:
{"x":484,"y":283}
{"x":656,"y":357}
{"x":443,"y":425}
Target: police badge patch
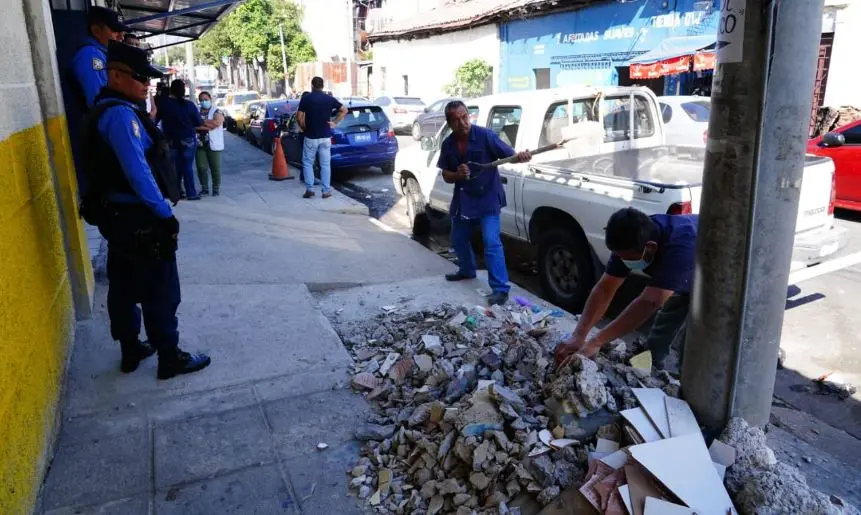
{"x":98,"y":64}
{"x":136,"y":129}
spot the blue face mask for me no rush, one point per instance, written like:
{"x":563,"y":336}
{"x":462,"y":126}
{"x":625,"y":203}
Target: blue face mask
{"x":638,"y":265}
{"x":205,"y":104}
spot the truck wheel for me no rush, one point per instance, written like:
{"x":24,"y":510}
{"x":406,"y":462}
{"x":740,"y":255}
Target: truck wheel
{"x":565,"y":268}
{"x":416,"y":208}
{"x":417,"y":131}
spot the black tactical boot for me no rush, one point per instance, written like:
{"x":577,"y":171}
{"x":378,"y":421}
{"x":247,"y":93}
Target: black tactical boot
{"x":134,"y":352}
{"x":178,"y":363}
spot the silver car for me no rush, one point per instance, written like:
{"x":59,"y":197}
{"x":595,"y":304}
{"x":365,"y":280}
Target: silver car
{"x":401,"y":111}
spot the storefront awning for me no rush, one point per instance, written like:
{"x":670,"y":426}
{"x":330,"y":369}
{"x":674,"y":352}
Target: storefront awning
{"x":186,"y":19}
{"x":675,"y":55}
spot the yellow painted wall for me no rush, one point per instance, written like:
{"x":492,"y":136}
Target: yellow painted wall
{"x":44,"y":262}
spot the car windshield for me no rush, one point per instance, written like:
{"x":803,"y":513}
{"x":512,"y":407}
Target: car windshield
{"x":241,"y":99}
{"x":698,"y":111}
{"x":372,"y":116}
{"x":277,"y":109}
{"x":410,"y":101}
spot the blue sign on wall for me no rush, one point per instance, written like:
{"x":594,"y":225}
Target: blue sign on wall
{"x":585,"y":46}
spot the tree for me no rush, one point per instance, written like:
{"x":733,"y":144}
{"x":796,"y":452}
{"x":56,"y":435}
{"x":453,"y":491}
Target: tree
{"x":215,"y":46}
{"x":470,"y":79}
{"x":252,"y":33}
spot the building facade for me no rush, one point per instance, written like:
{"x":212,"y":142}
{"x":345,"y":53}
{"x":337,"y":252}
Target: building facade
{"x":841,"y":39}
{"x":594,"y":45}
{"x":423,"y":67}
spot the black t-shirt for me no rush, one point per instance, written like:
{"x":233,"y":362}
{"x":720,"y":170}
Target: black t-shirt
{"x":673,"y":265}
{"x":319,"y":109}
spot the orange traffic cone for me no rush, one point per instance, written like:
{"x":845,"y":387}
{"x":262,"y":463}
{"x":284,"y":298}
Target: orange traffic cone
{"x":280,"y":171}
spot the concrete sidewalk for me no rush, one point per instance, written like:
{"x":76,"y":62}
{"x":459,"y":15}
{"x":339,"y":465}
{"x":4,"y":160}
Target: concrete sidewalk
{"x":240,"y":436}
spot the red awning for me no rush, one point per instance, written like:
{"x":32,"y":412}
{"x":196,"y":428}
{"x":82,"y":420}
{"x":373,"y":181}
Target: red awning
{"x":704,"y":60}
{"x":679,"y":64}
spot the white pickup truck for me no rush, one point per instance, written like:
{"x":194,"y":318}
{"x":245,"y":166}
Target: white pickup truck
{"x":561,"y":201}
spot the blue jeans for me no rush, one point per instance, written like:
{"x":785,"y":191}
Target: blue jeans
{"x":494,"y":255}
{"x":183,"y":161}
{"x":312,"y":148}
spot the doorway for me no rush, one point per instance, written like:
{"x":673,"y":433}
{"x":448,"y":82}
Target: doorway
{"x":542,"y":78}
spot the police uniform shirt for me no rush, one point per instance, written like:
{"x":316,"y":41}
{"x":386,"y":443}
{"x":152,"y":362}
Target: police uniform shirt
{"x":672,"y":268}
{"x":89,"y":67}
{"x":121,"y":129}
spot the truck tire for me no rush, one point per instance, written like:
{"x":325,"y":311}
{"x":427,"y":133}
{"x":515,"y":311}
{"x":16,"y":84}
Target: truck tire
{"x":565,"y":268}
{"x":416,"y":213}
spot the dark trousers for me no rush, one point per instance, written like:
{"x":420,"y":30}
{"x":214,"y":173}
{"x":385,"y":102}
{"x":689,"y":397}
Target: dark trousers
{"x":135,"y":278}
{"x":667,"y":335}
{"x":183,"y":159}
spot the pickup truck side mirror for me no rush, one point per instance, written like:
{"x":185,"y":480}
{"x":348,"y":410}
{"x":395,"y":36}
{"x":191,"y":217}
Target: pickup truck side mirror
{"x":833,"y":139}
{"x":427,"y":143}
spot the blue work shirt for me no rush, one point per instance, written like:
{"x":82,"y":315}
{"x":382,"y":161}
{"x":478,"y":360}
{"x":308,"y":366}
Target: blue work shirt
{"x":481,"y":195}
{"x":89,"y":67}
{"x":319,"y":108}
{"x":179,"y":118}
{"x":673,"y":265}
{"x":120,"y":127}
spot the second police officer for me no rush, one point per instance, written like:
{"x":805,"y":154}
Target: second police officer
{"x":131,"y":178}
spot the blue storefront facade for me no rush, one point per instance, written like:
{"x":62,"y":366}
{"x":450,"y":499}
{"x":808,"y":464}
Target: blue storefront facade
{"x":593,"y":46}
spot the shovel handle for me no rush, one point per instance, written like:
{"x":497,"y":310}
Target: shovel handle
{"x":511,"y":159}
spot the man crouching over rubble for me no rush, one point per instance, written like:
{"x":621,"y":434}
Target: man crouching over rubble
{"x":658,"y":246}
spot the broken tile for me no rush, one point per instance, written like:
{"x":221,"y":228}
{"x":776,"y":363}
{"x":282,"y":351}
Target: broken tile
{"x":365,"y":380}
{"x":652,"y":402}
{"x":661,"y":507}
{"x":722,"y":453}
{"x":684,"y":466}
{"x":680,"y":417}
{"x":640,"y":422}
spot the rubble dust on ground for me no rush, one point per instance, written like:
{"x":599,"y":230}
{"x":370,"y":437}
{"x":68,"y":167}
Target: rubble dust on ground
{"x":472,"y":416}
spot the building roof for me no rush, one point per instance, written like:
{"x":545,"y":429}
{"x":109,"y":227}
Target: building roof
{"x":466,"y":13}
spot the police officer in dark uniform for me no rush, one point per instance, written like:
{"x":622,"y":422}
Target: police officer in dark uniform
{"x":130,"y":174}
{"x":88,"y":71}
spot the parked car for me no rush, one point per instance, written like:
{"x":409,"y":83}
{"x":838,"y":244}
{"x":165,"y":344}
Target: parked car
{"x":843,"y":146}
{"x":686,"y":120}
{"x":264,"y":118}
{"x":560,"y":202}
{"x":431,"y":120}
{"x":402,"y":111}
{"x":364,"y":138}
{"x":347,"y":100}
{"x":242,"y":118}
{"x":235,"y":105}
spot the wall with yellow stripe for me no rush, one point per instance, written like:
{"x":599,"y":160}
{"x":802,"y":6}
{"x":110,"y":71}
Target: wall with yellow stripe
{"x":45,"y":272}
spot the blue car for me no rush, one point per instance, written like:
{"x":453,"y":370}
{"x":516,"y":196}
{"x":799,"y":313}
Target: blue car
{"x":364,"y":138}
{"x":264,"y":119}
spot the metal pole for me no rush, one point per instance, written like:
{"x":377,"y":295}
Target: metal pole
{"x":283,"y":55}
{"x":351,"y":41}
{"x":761,"y":96}
{"x":189,"y":67}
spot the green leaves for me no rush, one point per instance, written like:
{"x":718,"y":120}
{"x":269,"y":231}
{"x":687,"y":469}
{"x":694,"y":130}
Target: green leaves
{"x":470,"y":79}
{"x":251,"y":32}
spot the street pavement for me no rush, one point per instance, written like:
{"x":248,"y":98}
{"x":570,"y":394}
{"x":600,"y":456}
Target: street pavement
{"x":240,"y":436}
{"x":263,"y":273}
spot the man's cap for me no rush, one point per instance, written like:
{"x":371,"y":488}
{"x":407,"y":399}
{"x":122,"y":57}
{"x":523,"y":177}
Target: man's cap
{"x":133,"y":57}
{"x":109,"y":17}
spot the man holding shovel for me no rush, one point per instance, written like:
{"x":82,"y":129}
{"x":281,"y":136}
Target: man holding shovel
{"x":478,"y":196}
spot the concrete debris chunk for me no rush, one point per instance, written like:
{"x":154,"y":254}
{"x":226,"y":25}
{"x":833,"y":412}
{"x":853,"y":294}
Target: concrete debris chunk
{"x":471,"y":415}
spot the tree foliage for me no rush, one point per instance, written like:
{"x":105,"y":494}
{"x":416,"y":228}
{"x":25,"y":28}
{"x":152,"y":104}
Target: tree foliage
{"x":470,"y":79}
{"x":252,"y":32}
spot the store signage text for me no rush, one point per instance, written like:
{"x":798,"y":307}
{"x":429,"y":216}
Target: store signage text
{"x":664,"y":21}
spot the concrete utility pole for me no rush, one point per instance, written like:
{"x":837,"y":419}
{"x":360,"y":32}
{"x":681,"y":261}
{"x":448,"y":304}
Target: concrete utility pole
{"x":761,"y":97}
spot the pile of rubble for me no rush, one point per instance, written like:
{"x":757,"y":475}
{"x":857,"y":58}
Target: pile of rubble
{"x":472,"y":416}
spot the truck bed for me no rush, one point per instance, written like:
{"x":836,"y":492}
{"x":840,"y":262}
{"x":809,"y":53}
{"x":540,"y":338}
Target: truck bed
{"x":660,"y":167}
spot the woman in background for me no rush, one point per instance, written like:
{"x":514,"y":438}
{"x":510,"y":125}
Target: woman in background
{"x":210,"y":145}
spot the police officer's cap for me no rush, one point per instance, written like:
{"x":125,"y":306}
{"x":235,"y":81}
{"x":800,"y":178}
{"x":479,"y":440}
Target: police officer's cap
{"x":133,"y":57}
{"x":109,"y":17}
